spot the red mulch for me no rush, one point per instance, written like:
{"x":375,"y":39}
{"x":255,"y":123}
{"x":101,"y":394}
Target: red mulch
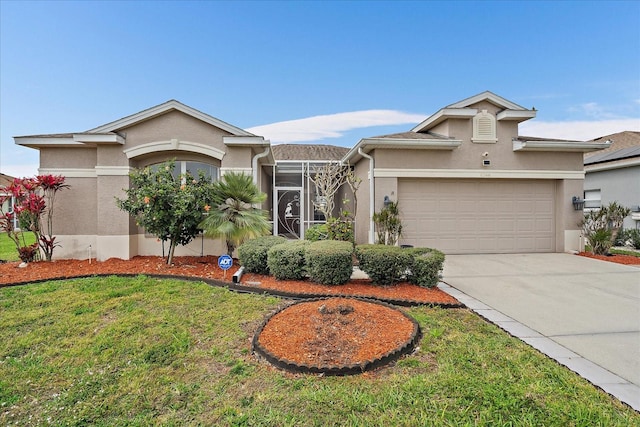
{"x":207,"y":268}
{"x":619,"y":259}
{"x":335,"y":332}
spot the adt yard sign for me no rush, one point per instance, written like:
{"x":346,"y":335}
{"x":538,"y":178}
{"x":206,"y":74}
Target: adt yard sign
{"x":225,"y":262}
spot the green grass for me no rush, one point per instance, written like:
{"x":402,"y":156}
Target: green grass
{"x":122,"y":351}
{"x":8,"y":251}
{"x":625,"y":252}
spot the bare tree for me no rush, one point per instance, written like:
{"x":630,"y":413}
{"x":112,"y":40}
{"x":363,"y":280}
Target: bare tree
{"x":328,"y":179}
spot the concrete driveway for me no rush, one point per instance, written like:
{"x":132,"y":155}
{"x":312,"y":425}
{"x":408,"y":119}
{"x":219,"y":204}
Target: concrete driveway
{"x":590,"y":308}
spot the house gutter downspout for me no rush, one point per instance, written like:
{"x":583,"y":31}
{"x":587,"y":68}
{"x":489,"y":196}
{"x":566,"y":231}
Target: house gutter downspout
{"x":372,"y":194}
{"x":254,"y":164}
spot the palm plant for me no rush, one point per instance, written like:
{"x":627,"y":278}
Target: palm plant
{"x":234,"y":215}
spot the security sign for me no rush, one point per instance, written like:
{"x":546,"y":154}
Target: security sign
{"x":225,"y":262}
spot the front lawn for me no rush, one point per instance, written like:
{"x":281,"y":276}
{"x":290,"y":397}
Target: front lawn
{"x":142,"y":351}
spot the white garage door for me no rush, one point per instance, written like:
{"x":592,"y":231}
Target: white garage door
{"x":461,"y":216}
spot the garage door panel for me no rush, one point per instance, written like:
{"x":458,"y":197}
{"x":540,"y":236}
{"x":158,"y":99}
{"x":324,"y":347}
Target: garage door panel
{"x":478,"y":216}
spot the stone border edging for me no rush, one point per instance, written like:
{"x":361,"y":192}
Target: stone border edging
{"x":355,"y":369}
{"x":236,"y":287}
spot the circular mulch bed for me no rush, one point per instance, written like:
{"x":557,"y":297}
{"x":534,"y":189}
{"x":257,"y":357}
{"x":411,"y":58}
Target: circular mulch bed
{"x":336,"y":336}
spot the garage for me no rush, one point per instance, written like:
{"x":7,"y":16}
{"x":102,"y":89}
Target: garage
{"x":462,"y":216}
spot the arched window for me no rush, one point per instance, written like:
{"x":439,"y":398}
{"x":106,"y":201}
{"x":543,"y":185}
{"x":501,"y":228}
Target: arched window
{"x":188,"y":166}
{"x":484,"y":128}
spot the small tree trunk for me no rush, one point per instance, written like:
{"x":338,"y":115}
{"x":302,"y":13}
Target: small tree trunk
{"x":230,"y":248}
{"x":172,"y":248}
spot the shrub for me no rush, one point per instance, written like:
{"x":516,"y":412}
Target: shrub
{"x":385,"y":265}
{"x":286,"y":261}
{"x":634,"y":236}
{"x":425,"y":267}
{"x":601,"y":227}
{"x":329,"y":262}
{"x":252,"y":254}
{"x":316,"y":232}
{"x":629,"y":236}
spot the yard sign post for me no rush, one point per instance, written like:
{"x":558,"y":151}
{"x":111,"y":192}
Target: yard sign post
{"x":225,"y":262}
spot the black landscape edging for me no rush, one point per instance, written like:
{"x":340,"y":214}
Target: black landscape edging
{"x":237,"y":287}
{"x":338,"y":370}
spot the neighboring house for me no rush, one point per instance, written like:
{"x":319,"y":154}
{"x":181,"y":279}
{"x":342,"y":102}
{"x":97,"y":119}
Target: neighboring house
{"x":465,"y":181}
{"x":613,"y":175}
{"x":7,"y":206}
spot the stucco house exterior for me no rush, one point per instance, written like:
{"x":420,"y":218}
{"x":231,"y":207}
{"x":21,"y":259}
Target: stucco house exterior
{"x":464,"y":179}
{"x":97,"y":163}
{"x":467,"y":182}
{"x":613,"y":175}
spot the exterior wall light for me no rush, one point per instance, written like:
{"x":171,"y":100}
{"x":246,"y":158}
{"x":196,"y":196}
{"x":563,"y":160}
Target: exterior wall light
{"x":578,"y":203}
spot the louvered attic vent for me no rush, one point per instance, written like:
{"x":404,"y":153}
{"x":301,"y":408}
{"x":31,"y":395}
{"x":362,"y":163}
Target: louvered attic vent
{"x":484,"y":128}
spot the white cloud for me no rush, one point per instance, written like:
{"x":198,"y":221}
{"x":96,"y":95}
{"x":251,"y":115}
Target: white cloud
{"x":332,"y":125}
{"x":578,"y":130}
{"x":20,"y":171}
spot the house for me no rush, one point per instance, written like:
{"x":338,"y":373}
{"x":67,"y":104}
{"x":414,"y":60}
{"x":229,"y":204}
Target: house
{"x":613,"y":175}
{"x":467,"y":182}
{"x":464,"y":179}
{"x":97,"y":164}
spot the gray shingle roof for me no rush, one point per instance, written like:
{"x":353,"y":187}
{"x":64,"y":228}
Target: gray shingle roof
{"x":308,"y":152}
{"x":624,"y":145}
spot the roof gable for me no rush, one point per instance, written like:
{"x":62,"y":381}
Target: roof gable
{"x":166,"y":107}
{"x":463,"y":110}
{"x":487,"y":96}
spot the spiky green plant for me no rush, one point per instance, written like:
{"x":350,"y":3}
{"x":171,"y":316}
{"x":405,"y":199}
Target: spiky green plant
{"x":234,"y":215}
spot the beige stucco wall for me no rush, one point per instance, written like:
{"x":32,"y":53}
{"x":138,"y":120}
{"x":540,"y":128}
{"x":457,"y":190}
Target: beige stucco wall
{"x":76,"y":208}
{"x":67,"y":157}
{"x":363,"y":219}
{"x":87,"y":214}
{"x":469,"y":157}
{"x":174,"y":125}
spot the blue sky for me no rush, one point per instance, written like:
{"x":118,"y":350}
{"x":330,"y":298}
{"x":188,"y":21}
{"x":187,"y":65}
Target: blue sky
{"x":326,"y":72}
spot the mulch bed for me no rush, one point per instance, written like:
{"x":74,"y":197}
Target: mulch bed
{"x":207,"y":268}
{"x":618,"y":259}
{"x":336,"y":336}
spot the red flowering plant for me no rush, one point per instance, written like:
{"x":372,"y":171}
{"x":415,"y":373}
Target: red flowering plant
{"x":33,"y":201}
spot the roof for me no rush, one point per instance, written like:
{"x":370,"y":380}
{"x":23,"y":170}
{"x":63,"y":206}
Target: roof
{"x":510,"y":111}
{"x":624,"y":145}
{"x":5,"y":180}
{"x":412,"y":135}
{"x":308,"y":152}
{"x":165,"y":107}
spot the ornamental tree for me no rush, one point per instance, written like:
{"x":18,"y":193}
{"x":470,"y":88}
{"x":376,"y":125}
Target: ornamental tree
{"x":33,"y":208}
{"x":167,"y":206}
{"x":601,"y":227}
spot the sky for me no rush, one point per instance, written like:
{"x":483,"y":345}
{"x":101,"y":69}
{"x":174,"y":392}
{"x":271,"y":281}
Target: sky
{"x":314,"y":72}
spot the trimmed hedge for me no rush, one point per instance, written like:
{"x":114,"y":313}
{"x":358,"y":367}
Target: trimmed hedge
{"x":286,"y":261}
{"x":329,"y":262}
{"x":317,"y":232}
{"x":385,"y":265}
{"x":426,"y":266}
{"x":252,"y":254}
